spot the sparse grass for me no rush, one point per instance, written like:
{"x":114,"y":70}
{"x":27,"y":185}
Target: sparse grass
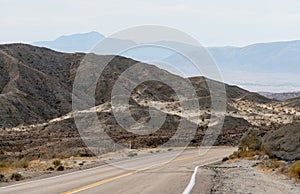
{"x":294,"y":170}
{"x":4,"y":164}
{"x":21,"y":164}
{"x":246,"y":154}
{"x":6,"y":167}
{"x":273,"y":164}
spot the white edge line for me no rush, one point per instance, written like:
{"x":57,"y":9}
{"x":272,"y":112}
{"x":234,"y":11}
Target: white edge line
{"x":93,"y":168}
{"x":192,"y":182}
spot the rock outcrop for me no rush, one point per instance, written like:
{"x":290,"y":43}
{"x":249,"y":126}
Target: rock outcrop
{"x":284,"y":143}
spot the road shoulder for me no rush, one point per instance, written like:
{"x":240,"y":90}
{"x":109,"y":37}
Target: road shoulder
{"x":242,"y":176}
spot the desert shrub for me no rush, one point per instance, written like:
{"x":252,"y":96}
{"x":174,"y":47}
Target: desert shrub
{"x":251,"y":141}
{"x":81,"y":163}
{"x":50,"y":168}
{"x":60,"y":168}
{"x":295,"y":169}
{"x":2,"y":178}
{"x":56,"y":163}
{"x":225,"y":159}
{"x":132,"y":154}
{"x":16,"y":176}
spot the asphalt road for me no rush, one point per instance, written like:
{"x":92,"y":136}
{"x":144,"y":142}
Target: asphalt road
{"x":157,"y":173}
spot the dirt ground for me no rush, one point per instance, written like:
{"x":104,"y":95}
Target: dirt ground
{"x":244,"y":176}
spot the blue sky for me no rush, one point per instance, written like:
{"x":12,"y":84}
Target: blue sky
{"x":213,"y":22}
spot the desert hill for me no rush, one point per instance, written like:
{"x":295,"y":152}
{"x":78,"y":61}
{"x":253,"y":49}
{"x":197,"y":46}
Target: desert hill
{"x":281,"y":96}
{"x":36,"y":98}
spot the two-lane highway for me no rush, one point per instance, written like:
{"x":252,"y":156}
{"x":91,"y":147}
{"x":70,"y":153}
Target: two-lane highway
{"x":158,"y":173}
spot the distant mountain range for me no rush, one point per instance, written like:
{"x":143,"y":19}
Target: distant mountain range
{"x":272,"y":67}
{"x":281,"y":96}
{"x":73,"y":43}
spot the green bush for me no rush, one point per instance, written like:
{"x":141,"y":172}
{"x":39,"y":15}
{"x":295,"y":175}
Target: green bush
{"x":251,"y":141}
{"x":56,"y":163}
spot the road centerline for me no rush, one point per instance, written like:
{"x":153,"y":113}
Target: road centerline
{"x":76,"y":190}
{"x":124,"y":175}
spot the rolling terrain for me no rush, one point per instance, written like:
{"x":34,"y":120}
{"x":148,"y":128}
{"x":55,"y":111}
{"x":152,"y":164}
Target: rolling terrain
{"x":36,"y":98}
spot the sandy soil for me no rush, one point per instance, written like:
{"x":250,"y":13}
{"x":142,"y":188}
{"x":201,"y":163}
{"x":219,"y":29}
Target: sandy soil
{"x":243,"y":176}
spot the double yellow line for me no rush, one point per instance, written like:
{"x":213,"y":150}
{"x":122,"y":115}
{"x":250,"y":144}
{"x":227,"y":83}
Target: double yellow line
{"x":128,"y":174}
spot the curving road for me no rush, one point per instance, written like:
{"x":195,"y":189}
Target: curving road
{"x":158,"y":173}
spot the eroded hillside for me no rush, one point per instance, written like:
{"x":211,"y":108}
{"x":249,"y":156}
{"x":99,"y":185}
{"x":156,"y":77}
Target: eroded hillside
{"x":36,"y":118}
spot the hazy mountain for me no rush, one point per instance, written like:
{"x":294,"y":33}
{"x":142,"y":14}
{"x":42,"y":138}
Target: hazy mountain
{"x":271,"y":57}
{"x":73,"y":43}
{"x":281,"y":96}
{"x":270,"y":67}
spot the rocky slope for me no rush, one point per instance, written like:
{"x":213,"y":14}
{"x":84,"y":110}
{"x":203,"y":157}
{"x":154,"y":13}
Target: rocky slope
{"x":284,"y":143}
{"x":36,"y":89}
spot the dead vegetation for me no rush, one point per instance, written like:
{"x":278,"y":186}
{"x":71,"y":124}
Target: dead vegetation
{"x":294,"y":170}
